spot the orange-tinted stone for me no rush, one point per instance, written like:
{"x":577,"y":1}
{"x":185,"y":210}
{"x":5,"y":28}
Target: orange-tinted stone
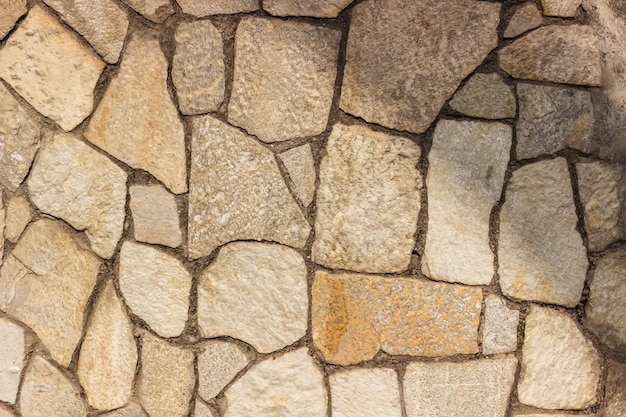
{"x":355,"y":316}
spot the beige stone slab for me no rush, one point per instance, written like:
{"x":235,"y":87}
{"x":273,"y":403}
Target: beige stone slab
{"x":485,"y":96}
{"x":365,"y":393}
{"x":18,"y":215}
{"x":202,"y":8}
{"x":130,"y":410}
{"x":218,"y":363}
{"x":5,"y":411}
{"x":202,"y":410}
{"x":12,"y":359}
{"x":615,"y":394}
{"x":12,"y":10}
{"x":155,"y":10}
{"x":526,"y":16}
{"x":313,"y":8}
{"x":155,"y":215}
{"x":560,"y":8}
{"x":301,"y":169}
{"x":500,"y":328}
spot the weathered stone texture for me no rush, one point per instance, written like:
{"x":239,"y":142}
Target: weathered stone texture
{"x":560,"y":8}
{"x":365,"y":393}
{"x":500,"y":329}
{"x":202,"y":410}
{"x":155,"y":215}
{"x":218,"y":363}
{"x":201,"y":8}
{"x":12,"y":352}
{"x":18,"y":215}
{"x":386,"y":80}
{"x":615,"y":395}
{"x":155,"y":10}
{"x":301,"y":169}
{"x":526,"y":16}
{"x":314,"y":8}
{"x":485,"y":96}
{"x":540,"y":252}
{"x":467,"y":163}
{"x":12,"y":10}
{"x":130,"y":410}
{"x":5,"y":411}
{"x":368,"y":201}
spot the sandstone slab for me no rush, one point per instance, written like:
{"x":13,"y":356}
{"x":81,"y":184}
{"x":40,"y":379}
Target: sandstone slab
{"x":301,"y":169}
{"x":315,"y":8}
{"x":73,"y":181}
{"x":365,"y":393}
{"x":12,"y":10}
{"x":130,"y":410}
{"x":218,"y":363}
{"x":202,"y":410}
{"x":615,"y":394}
{"x":540,"y":252}
{"x":355,"y":316}
{"x":5,"y":411}
{"x":467,"y":163}
{"x":386,"y":81}
{"x":526,"y":16}
{"x":155,"y":215}
{"x":485,"y":96}
{"x":12,"y":353}
{"x":368,"y":201}
{"x":155,"y":10}
{"x":560,"y":8}
{"x":18,"y":215}
{"x":136,"y":121}
{"x":202,"y":8}
{"x":500,"y":329}
{"x":237,"y":192}
{"x":49,"y":66}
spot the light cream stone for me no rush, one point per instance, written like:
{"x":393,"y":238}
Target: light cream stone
{"x":136,"y":120}
{"x":166,"y":381}
{"x":12,"y":352}
{"x":12,"y":10}
{"x":5,"y":411}
{"x":540,"y":252}
{"x":500,"y":329}
{"x":155,"y":10}
{"x":155,"y":215}
{"x":46,"y":282}
{"x":103,"y":24}
{"x":202,"y":410}
{"x":560,"y":8}
{"x":301,"y":169}
{"x":290,"y":385}
{"x":485,"y":96}
{"x":18,"y":215}
{"x":526,"y":16}
{"x":403,"y":62}
{"x":615,"y":394}
{"x":467,"y":163}
{"x":473,"y":388}
{"x":49,"y":66}
{"x":130,"y":410}
{"x":218,"y":363}
{"x":73,"y":181}
{"x":202,"y":8}
{"x":365,"y":393}
{"x":48,"y":392}
{"x":237,"y":192}
{"x":314,"y":8}
{"x":108,"y":354}
{"x":156,"y":287}
{"x":284,"y":78}
{"x":560,"y":367}
{"x":255,"y":292}
{"x":368,"y":201}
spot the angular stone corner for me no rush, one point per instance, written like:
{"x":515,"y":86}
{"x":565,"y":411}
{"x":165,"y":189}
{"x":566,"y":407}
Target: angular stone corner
{"x":155,"y":215}
{"x":154,"y":10}
{"x":365,"y":393}
{"x":12,"y":359}
{"x":12,"y":10}
{"x":560,"y":8}
{"x":19,"y":213}
{"x":218,"y":363}
{"x":485,"y":96}
{"x":301,"y":169}
{"x":526,"y":16}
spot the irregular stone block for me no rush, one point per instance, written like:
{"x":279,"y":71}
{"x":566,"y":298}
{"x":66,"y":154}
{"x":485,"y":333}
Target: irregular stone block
{"x":18,"y":215}
{"x":485,"y":96}
{"x":155,"y":10}
{"x":500,"y":329}
{"x":560,"y":8}
{"x":155,"y":215}
{"x":218,"y":363}
{"x":615,"y":395}
{"x":12,"y":352}
{"x":130,"y":410}
{"x":526,"y":16}
{"x":202,"y":8}
{"x":315,"y":8}
{"x":365,"y":393}
{"x":301,"y":169}
{"x":12,"y":10}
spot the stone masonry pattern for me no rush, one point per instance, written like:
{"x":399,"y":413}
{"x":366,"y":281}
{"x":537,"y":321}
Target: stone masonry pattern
{"x":312,"y":208}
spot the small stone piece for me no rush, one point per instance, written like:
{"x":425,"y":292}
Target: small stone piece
{"x":560,"y":8}
{"x":166,"y":381}
{"x":313,"y":8}
{"x":526,"y":16}
{"x":155,"y":215}
{"x":355,"y":316}
{"x":12,"y":352}
{"x":49,"y":66}
{"x":485,"y":96}
{"x":198,"y":67}
{"x":5,"y":411}
{"x":218,"y":364}
{"x":155,"y":10}
{"x":202,"y":8}
{"x":500,"y":331}
{"x":615,"y":395}
{"x":19,"y":214}
{"x":136,"y":120}
{"x":558,"y":54}
{"x":474,"y":388}
{"x":12,"y":10}
{"x":103,"y":24}
{"x":237,"y":192}
{"x":45,"y":283}
{"x":284,"y":78}
{"x":601,"y":197}
{"x":73,"y":181}
{"x":551,"y":118}
{"x":368,"y":201}
{"x":560,"y":367}
{"x":202,"y":410}
{"x":108,"y":354}
{"x":466,"y":170}
{"x":156,"y":287}
{"x":131,"y":410}
{"x":301,"y":169}
{"x":403,"y":62}
{"x":255,"y":292}
{"x":47,"y":392}
{"x":541,"y":254}
{"x":365,"y":393}
{"x":290,"y":385}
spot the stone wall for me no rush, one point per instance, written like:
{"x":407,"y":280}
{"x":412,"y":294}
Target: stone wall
{"x":335,"y":208}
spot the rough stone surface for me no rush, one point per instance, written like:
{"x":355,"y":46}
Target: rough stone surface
{"x":385,"y":80}
{"x":12,"y":10}
{"x":103,"y":24}
{"x":198,"y":67}
{"x":108,"y":354}
{"x":155,"y":215}
{"x":72,"y":181}
{"x":355,"y":316}
{"x":549,"y":415}
{"x":6,"y":411}
{"x":558,"y":54}
{"x":526,"y":16}
{"x":560,"y":8}
{"x":615,"y":394}
{"x":467,"y":163}
{"x":165,"y":383}
{"x":18,"y":215}
{"x":551,"y":118}
{"x":49,"y":66}
{"x":12,"y":352}
{"x":368,"y":201}
{"x":560,"y":367}
{"x":301,"y":169}
{"x":284,"y":78}
{"x":156,"y":287}
{"x":201,"y":8}
{"x":473,"y":388}
{"x":237,"y":192}
{"x":138,"y":97}
{"x":47,"y":392}
{"x":290,"y":385}
{"x":255,"y":292}
{"x":155,"y":10}
{"x":602,"y":199}
{"x":606,"y":309}
{"x":485,"y":96}
{"x":500,"y":329}
{"x":314,"y":8}
{"x":218,"y":363}
{"x":45,"y":283}
{"x":202,"y":410}
{"x":130,"y":410}
{"x":365,"y":393}
{"x":540,"y":252}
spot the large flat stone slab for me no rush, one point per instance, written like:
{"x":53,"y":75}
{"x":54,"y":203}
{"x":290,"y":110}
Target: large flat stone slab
{"x":365,"y":393}
{"x":560,"y":8}
{"x":485,"y":96}
{"x":500,"y":326}
{"x":155,"y":215}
